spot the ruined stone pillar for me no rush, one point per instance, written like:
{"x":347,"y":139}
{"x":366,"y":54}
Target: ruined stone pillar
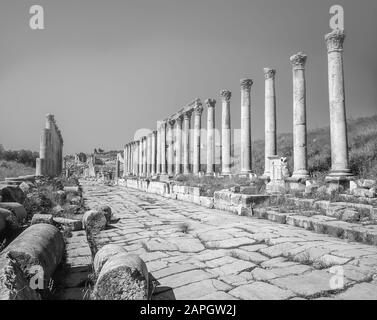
{"x":186,"y":142}
{"x":198,"y":109}
{"x":171,"y":147}
{"x":299,"y":117}
{"x":178,"y":145}
{"x":153,"y":153}
{"x":158,"y":149}
{"x":129,"y":158}
{"x":270,"y":148}
{"x":163,"y":147}
{"x":210,"y":103}
{"x":338,"y":121}
{"x":246,"y":125}
{"x":133,"y":158}
{"x":226,"y":134}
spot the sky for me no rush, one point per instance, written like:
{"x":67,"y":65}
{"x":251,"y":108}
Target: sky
{"x":108,"y":68}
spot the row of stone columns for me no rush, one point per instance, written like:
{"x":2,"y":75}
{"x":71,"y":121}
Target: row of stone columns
{"x":168,"y":150}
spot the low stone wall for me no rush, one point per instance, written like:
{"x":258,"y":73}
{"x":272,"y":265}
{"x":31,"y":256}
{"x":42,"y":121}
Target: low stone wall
{"x":223,"y":200}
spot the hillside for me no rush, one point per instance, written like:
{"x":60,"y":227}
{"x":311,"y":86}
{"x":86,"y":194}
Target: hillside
{"x":362,"y":141}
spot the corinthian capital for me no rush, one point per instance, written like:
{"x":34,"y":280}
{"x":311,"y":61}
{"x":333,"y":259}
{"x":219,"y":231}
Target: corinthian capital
{"x":246,"y":84}
{"x":187,"y":115}
{"x":334,"y":40}
{"x":210,"y":103}
{"x":298,"y":60}
{"x":269,"y":73}
{"x":171,"y":122}
{"x":198,"y":108}
{"x":226,"y":95}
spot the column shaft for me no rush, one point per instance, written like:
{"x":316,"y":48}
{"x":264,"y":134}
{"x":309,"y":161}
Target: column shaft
{"x":197,"y":134}
{"x":338,"y":121}
{"x":153,"y":153}
{"x":226,"y":137}
{"x":210,"y":136}
{"x":299,"y":117}
{"x":163,"y":147}
{"x":178,"y":145}
{"x":186,"y":142}
{"x":246,"y":164}
{"x":270,"y":148}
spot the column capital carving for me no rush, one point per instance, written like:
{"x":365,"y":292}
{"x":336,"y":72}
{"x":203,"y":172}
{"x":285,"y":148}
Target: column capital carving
{"x":198,"y":108}
{"x":210,"y":103}
{"x":171,"y":122}
{"x":154,"y":132}
{"x":334,"y":40}
{"x":246,"y":84}
{"x":187,"y":115}
{"x":298,"y":60}
{"x":179,"y":118}
{"x":269,"y":73}
{"x":225,"y":95}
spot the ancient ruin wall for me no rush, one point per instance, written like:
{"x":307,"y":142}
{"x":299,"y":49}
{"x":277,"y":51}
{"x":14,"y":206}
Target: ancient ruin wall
{"x":50,"y":161}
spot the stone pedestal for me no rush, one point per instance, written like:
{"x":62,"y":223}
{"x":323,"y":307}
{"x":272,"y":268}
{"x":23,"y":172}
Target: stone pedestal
{"x":270,"y":119}
{"x":338,"y":124}
{"x":299,"y":117}
{"x":246,"y":126}
{"x":226,"y":134}
{"x":210,"y":103}
{"x":197,"y":134}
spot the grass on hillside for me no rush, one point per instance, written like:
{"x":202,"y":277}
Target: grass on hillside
{"x":14,"y":169}
{"x":362,"y":143}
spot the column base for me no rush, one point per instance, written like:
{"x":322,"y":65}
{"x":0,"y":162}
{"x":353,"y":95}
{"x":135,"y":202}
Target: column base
{"x":335,"y":175}
{"x":300,"y":175}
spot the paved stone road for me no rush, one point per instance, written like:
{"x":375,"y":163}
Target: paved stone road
{"x":199,"y":253}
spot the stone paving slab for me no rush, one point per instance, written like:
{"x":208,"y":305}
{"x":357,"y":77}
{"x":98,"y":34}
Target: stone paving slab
{"x":199,"y":253}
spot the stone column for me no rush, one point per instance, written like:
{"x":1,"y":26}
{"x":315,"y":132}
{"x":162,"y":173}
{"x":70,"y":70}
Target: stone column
{"x":210,"y":103}
{"x":125,"y":161}
{"x":186,"y":142}
{"x":163,"y":147}
{"x":198,"y":109}
{"x":299,"y":117}
{"x":246,"y":125}
{"x":338,"y":121}
{"x":170,"y":142}
{"x":158,"y":149}
{"x":133,"y":158}
{"x":137,"y":153}
{"x":153,"y":153}
{"x":270,"y":148}
{"x":145,"y":153}
{"x":140,"y":165}
{"x":149,"y":154}
{"x":178,"y":145}
{"x":226,"y":137}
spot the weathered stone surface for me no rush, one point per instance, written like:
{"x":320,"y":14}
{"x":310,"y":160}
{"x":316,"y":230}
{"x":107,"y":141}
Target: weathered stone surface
{"x":104,"y":254}
{"x":13,"y":283}
{"x":361,"y":291}
{"x":18,"y":209}
{"x":74,"y":225}
{"x":12,"y":194}
{"x":181,"y":279}
{"x":94,"y":221}
{"x":107,"y":212}
{"x":40,"y":244}
{"x":123,"y":277}
{"x":42,"y":218}
{"x":261,"y":291}
{"x":316,"y":282}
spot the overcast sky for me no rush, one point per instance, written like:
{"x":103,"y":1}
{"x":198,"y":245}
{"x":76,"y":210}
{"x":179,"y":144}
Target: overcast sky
{"x":108,"y":68}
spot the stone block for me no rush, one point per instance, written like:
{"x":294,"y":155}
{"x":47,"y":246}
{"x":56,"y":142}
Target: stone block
{"x":42,"y":218}
{"x":17,"y":208}
{"x":74,"y":225}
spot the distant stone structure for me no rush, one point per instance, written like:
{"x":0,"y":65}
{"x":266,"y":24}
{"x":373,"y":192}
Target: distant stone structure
{"x":50,"y":161}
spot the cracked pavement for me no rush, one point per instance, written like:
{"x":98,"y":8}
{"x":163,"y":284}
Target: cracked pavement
{"x":198,"y":253}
